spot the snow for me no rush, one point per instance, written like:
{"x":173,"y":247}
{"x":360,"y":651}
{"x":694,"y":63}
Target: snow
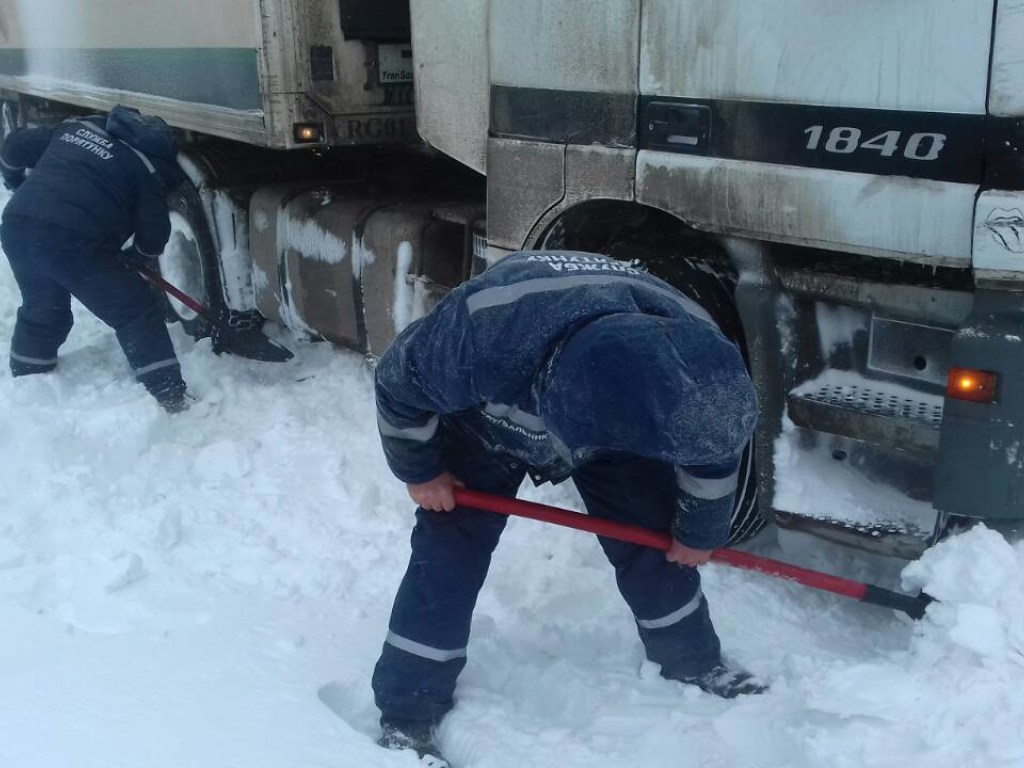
{"x":806,"y":477}
{"x":403,"y":298}
{"x":231,"y":230}
{"x":833,"y":377}
{"x":411,"y":293}
{"x":837,"y":325}
{"x":308,"y":237}
{"x":186,"y":592}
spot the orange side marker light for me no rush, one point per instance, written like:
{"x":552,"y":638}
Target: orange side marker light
{"x":970,"y":384}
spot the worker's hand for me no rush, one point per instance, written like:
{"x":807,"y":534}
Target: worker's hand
{"x":437,"y":494}
{"x":133,"y":259}
{"x":683,"y":555}
{"x":13,"y":180}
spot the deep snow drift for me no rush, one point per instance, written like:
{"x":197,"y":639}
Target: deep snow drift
{"x":175,"y":591}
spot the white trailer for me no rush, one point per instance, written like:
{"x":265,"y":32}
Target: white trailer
{"x":244,"y":79}
{"x":250,"y":71}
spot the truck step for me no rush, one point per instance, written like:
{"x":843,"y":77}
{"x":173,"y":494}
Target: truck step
{"x":907,"y":542}
{"x":892,"y":416}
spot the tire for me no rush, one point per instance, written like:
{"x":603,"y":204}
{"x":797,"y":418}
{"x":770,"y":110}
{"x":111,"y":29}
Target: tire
{"x":707,"y":281}
{"x":10,"y":118}
{"x":189,"y":262}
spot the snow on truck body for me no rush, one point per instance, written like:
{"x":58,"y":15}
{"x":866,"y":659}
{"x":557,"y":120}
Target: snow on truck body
{"x":842,"y":185}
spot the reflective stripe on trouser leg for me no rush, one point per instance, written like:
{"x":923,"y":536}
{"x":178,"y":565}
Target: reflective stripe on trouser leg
{"x":671,"y":613}
{"x":22,"y":365}
{"x":39,"y":331}
{"x":148,"y":348}
{"x":123,"y":301}
{"x":686,"y":647}
{"x":162,"y":378}
{"x":451,"y":552}
{"x":426,"y":646}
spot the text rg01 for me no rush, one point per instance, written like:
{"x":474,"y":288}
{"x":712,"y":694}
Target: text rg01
{"x":844,"y":140}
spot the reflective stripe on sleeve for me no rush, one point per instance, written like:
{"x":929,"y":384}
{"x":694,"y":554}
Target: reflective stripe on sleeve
{"x":423,"y":651}
{"x":507,"y":294}
{"x":8,"y":167}
{"x":416,"y":434}
{"x":156,"y":366}
{"x":707,"y":488}
{"x":32,"y":360}
{"x":675,"y":617}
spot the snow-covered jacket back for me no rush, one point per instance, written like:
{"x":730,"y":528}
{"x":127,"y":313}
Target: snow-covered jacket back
{"x":97,"y":176}
{"x":558,"y":357}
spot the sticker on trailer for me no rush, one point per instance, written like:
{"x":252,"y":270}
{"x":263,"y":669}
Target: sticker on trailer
{"x":394,"y":64}
{"x":1007,"y":227}
{"x":999,"y":231}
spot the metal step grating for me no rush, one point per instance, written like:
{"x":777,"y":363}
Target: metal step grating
{"x":869,"y":413}
{"x":877,"y":401}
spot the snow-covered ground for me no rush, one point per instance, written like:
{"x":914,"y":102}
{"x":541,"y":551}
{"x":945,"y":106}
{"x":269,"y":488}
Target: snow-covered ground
{"x":183,"y":592}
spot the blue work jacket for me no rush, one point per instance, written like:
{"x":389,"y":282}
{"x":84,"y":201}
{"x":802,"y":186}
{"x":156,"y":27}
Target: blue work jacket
{"x":559,"y":357}
{"x":97,"y":176}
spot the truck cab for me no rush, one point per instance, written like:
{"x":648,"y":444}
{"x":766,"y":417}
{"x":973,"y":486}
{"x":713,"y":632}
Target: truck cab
{"x":851,"y":174}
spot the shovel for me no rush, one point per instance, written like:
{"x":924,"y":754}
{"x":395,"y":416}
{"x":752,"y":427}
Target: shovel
{"x":913,"y":606}
{"x":249,"y":343}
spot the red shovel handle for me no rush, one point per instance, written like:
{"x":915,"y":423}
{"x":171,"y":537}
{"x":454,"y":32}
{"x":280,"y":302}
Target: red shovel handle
{"x":635,"y":534}
{"x":174,"y":291}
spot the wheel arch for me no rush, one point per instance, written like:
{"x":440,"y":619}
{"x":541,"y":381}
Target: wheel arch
{"x":657,"y":237}
{"x":700,"y":264}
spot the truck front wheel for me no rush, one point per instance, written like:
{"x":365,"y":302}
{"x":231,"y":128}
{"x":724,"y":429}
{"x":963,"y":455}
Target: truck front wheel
{"x":189,"y":262}
{"x":705,"y":277}
{"x":10,"y":118}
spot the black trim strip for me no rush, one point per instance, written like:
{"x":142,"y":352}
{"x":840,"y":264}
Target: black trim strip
{"x":940,"y":146}
{"x":382,"y":20}
{"x":927,"y":145}
{"x":564,"y":117}
{"x":1004,"y":159}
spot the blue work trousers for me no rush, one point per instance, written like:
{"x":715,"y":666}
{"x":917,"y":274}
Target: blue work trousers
{"x":51,"y":265}
{"x":425,"y":650}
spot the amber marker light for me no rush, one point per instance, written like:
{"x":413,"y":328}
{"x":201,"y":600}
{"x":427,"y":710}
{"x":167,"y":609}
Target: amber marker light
{"x":308,"y":133}
{"x":972,"y":385}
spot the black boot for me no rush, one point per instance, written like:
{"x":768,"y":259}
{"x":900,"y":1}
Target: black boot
{"x":725,"y":682}
{"x":175,"y":401}
{"x":400,"y":734}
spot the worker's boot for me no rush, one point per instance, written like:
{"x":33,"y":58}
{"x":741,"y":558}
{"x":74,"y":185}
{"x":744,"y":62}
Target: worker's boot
{"x":725,"y":682}
{"x":399,"y":735}
{"x":175,"y":401}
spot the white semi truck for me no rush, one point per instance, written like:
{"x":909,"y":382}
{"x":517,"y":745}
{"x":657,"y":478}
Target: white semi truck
{"x":840,"y":183}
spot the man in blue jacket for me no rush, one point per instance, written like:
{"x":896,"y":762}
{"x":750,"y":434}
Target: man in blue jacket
{"x":94,"y":183}
{"x":559,"y":365}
